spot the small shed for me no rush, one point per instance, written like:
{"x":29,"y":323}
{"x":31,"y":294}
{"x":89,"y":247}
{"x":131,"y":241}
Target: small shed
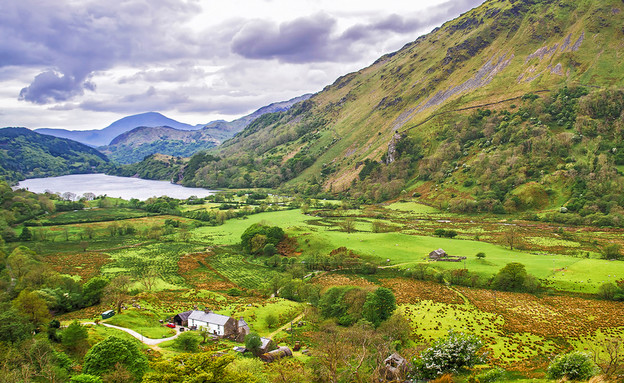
{"x":107,"y":314}
{"x":278,"y":353}
{"x":437,"y":254}
{"x":181,"y":319}
{"x":267,"y":344}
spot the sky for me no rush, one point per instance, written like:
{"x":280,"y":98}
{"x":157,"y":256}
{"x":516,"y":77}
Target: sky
{"x":82,"y":64}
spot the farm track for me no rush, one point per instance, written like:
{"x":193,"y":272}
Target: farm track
{"x":143,"y":339}
{"x":296,"y":319}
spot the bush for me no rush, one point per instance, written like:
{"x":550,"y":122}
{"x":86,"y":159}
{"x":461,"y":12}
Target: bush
{"x":491,"y":375}
{"x":113,"y":352}
{"x":186,"y":342}
{"x":85,"y":378}
{"x":449,"y":354}
{"x":271,"y":320}
{"x":574,"y":366}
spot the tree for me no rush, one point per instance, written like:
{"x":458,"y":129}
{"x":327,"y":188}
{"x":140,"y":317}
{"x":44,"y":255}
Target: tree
{"x":480,"y":255}
{"x":14,"y":327}
{"x":253,"y":343}
{"x":451,"y":353}
{"x":611,"y":251}
{"x":379,"y":306}
{"x":85,"y":378}
{"x":104,"y":356}
{"x":30,"y":304}
{"x":573,"y":366}
{"x":117,"y":291}
{"x":511,"y":235}
{"x":608,"y":355}
{"x":271,"y":320}
{"x":439,"y":232}
{"x":202,"y":367}
{"x":258,"y":242}
{"x":348,"y":225}
{"x":186,"y":342}
{"x":274,"y":235}
{"x":511,"y":277}
{"x":26,"y":235}
{"x":89,"y":232}
{"x":92,"y":291}
{"x":269,"y":249}
{"x":74,"y":336}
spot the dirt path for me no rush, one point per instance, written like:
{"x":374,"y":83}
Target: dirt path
{"x":296,"y":319}
{"x":145,"y":340}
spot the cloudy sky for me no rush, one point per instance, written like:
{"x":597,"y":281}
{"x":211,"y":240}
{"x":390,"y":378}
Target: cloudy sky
{"x":82,"y":64}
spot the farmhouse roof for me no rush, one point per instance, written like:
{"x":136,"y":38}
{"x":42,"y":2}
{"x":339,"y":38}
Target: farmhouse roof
{"x":209,"y":317}
{"x":439,"y":252}
{"x":185,"y":315}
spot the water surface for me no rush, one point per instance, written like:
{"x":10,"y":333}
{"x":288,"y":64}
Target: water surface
{"x":112,"y":186}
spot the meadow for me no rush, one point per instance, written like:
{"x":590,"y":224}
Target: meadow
{"x":202,"y":266}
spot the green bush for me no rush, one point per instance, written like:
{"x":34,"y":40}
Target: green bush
{"x":491,"y":375}
{"x":573,"y":366}
{"x":112,"y":351}
{"x":85,"y":378}
{"x":186,"y":342}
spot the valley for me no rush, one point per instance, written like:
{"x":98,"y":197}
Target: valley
{"x":173,"y":263}
{"x":453,"y":212}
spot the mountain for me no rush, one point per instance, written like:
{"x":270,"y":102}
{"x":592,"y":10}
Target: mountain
{"x":27,"y":154}
{"x":136,"y":144}
{"x":224,"y":130}
{"x":133,"y":146}
{"x":104,"y":136}
{"x":501,"y":109}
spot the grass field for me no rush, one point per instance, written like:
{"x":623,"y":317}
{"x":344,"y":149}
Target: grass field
{"x":144,"y":322}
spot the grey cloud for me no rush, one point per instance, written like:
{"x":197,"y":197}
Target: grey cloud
{"x":52,"y":86}
{"x":305,"y":39}
{"x":76,"y":39}
{"x":315,"y":38}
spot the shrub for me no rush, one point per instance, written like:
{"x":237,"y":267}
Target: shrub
{"x":112,"y":352}
{"x":186,"y":342}
{"x":271,"y":320}
{"x":491,"y":375}
{"x":574,"y":366}
{"x":449,"y":354}
{"x":85,"y":378}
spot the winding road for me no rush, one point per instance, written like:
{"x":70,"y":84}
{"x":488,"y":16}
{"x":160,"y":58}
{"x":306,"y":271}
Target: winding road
{"x":147,"y":341}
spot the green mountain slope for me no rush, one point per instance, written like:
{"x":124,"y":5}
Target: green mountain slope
{"x":411,"y":121}
{"x":26,"y":154}
{"x":133,"y":146}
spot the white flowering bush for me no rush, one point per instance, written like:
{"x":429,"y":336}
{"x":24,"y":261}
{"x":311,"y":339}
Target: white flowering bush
{"x":574,"y":366}
{"x":449,"y":354}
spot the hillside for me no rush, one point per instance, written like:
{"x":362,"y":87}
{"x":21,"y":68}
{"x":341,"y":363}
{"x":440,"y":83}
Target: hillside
{"x":223,"y":130}
{"x":100,"y":137}
{"x":498,"y":110}
{"x":133,"y":146}
{"x":27,"y":154}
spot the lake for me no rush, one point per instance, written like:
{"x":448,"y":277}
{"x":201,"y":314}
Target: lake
{"x":112,"y":186}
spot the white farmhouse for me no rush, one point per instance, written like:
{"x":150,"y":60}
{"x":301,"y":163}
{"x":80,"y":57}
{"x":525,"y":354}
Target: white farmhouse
{"x":216,"y":324}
